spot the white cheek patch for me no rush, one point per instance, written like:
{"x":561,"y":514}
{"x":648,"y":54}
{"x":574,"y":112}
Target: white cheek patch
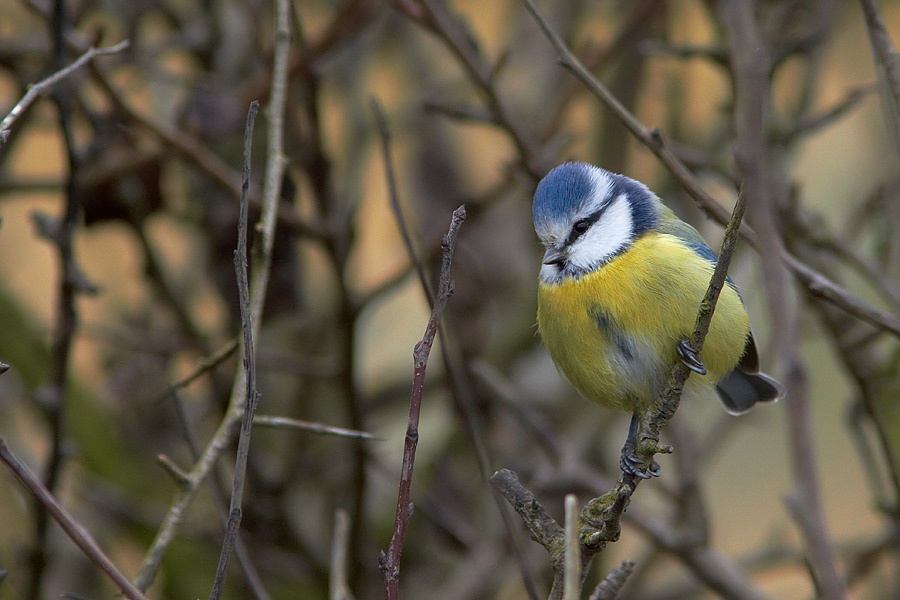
{"x":606,"y":238}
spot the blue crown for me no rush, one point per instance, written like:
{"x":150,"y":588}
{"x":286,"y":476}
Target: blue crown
{"x":562,"y":191}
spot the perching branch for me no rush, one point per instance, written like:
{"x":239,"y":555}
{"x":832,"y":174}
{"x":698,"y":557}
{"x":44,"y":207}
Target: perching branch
{"x":390,"y":560}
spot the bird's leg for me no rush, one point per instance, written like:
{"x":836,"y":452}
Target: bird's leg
{"x":630,"y":462}
{"x":691,"y":358}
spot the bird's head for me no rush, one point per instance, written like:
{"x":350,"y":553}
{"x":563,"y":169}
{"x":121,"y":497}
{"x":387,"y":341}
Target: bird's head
{"x":585,"y":216}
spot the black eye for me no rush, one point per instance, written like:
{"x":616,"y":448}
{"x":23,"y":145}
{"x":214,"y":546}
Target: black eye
{"x":581,"y":226}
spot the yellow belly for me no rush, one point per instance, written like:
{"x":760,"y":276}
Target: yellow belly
{"x":614,"y":331}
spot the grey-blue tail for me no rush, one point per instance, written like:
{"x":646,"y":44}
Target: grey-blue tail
{"x":740,"y":390}
{"x":745,"y":386}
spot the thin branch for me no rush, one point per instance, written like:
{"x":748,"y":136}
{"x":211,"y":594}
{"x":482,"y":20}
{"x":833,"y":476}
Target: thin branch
{"x":436,"y":17}
{"x":887,"y":62}
{"x":61,"y":232}
{"x":612,"y":584}
{"x":251,"y":394}
{"x":44,"y":86}
{"x":601,"y":517}
{"x":544,"y":529}
{"x":385,"y":135}
{"x":206,"y":365}
{"x":75,"y":530}
{"x":288,"y":423}
{"x":751,"y":64}
{"x":217,"y":492}
{"x":338,"y":588}
{"x":572,"y":586}
{"x":390,"y":560}
{"x":459,"y":384}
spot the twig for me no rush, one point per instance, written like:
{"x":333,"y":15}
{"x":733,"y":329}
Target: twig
{"x":251,"y":394}
{"x":601,"y":517}
{"x":390,"y":560}
{"x":207,"y":364}
{"x":71,"y":282}
{"x":338,"y":589}
{"x":887,"y":60}
{"x":544,"y":529}
{"x":253,"y":294}
{"x":75,"y":530}
{"x":435,"y":17}
{"x":43,"y":86}
{"x":751,"y":65}
{"x":612,"y":584}
{"x":572,"y":588}
{"x":217,"y":493}
{"x":288,"y":423}
{"x":260,"y":268}
{"x":459,"y":384}
{"x":385,"y":134}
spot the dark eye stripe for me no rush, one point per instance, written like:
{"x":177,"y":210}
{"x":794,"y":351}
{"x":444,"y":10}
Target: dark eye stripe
{"x":582,"y":225}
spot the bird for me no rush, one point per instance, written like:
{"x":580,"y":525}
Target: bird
{"x":619,"y":290}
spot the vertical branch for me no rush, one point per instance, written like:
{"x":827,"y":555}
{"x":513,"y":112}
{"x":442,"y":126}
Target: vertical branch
{"x":390,"y":561}
{"x":240,"y":468}
{"x":887,"y":64}
{"x":260,"y":263}
{"x":71,"y":281}
{"x":751,"y":65}
{"x":572,"y":587}
{"x":458,"y":384}
{"x":338,"y":589}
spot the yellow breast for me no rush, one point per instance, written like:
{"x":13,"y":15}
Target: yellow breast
{"x":614,"y":331}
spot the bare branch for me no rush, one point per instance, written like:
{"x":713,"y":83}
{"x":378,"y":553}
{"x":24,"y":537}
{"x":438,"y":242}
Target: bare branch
{"x":75,"y":530}
{"x":887,"y":63}
{"x":572,"y":586}
{"x":288,"y":423}
{"x":339,"y":589}
{"x":251,"y":395}
{"x":612,"y":584}
{"x":390,"y":560}
{"x":43,"y":86}
{"x":751,"y":65}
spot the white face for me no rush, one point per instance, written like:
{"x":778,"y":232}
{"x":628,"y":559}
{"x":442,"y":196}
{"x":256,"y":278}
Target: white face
{"x":610,"y":230}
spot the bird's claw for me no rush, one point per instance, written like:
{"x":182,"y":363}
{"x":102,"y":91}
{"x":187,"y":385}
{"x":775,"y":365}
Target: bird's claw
{"x":634,"y":465}
{"x":691,"y":358}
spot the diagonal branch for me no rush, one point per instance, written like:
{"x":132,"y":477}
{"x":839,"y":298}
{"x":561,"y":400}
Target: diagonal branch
{"x":44,"y":86}
{"x":390,"y":560}
{"x":75,"y":530}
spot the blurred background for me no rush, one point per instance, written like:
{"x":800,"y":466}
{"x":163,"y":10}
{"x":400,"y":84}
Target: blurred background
{"x":478,"y":110}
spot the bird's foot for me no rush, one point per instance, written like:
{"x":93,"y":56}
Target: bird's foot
{"x":632,"y":464}
{"x":690,"y":357}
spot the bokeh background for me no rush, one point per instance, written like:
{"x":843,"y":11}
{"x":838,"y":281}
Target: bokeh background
{"x":478,"y":111}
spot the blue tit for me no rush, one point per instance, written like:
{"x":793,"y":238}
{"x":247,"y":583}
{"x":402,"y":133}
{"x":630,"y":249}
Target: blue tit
{"x":620,"y":287}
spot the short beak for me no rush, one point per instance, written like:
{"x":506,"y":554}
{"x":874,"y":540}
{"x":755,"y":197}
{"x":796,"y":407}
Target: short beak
{"x":554,"y":256}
